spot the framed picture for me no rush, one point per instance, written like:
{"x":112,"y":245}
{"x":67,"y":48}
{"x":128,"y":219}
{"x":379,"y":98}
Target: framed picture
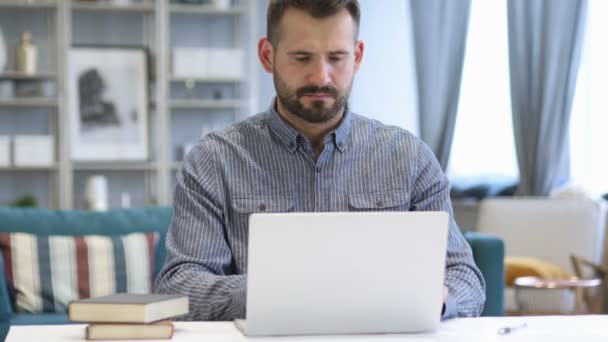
{"x":108,"y":103}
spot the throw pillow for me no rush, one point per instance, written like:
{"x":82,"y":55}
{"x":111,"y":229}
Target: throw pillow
{"x":46,"y":272}
{"x":516,"y":267}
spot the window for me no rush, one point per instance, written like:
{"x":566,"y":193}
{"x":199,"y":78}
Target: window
{"x":483,"y":149}
{"x":589,"y":119}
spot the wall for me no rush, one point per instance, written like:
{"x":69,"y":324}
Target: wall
{"x":384,"y":88}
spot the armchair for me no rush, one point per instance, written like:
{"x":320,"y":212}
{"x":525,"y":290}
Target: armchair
{"x":547,"y":229}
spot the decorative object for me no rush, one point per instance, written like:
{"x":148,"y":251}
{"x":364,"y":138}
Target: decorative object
{"x":27,"y":55}
{"x":96,"y":193}
{"x":3,"y":55}
{"x":121,"y":2}
{"x":125,"y":200}
{"x":7,"y":89}
{"x":25,"y":201}
{"x":222,"y":4}
{"x":190,"y":86}
{"x":33,"y":150}
{"x":5,"y":150}
{"x":108,"y":104}
{"x":28,"y":88}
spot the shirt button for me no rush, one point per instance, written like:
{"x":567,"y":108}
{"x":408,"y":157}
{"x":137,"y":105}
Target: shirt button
{"x":318,"y":169}
{"x":262,"y":207}
{"x":340,"y":145}
{"x":379,"y":203}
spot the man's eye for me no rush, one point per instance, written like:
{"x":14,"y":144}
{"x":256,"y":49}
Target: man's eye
{"x":302,"y":58}
{"x":335,"y":59}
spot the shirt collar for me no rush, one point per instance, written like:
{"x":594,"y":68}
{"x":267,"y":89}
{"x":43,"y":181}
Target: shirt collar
{"x":288,"y":135}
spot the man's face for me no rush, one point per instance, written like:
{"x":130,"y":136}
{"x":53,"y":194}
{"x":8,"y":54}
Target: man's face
{"x":313,"y":64}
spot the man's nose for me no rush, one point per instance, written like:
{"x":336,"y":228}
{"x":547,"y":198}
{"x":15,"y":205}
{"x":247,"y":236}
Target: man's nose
{"x":320,"y":73}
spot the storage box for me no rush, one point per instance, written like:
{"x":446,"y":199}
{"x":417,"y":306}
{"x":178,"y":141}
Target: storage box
{"x":225,"y":63}
{"x":5,"y":151}
{"x":34,"y":150}
{"x":208,"y":62}
{"x":190,"y":62}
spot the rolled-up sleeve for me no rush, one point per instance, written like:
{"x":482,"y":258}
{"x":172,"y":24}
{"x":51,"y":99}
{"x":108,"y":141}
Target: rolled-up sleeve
{"x":199,"y":259}
{"x":465,"y":283}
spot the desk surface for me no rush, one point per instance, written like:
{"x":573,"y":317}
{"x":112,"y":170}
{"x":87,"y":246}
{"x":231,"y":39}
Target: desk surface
{"x":548,"y":328}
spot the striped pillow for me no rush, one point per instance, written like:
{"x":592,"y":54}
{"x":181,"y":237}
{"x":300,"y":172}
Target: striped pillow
{"x":46,"y":272}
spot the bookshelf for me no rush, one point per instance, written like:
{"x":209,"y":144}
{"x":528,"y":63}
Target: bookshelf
{"x":175,"y":118}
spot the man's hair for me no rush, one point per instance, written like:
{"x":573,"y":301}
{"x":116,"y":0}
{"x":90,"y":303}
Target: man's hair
{"x":316,"y":8}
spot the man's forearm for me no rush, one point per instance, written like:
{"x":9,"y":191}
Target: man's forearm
{"x":211,"y":297}
{"x":466,"y":292}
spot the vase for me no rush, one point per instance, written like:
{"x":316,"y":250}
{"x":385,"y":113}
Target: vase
{"x":2,"y":52}
{"x":96,"y":193}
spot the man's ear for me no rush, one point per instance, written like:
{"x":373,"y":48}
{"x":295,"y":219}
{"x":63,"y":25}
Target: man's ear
{"x":359,"y":48}
{"x":265,"y":53}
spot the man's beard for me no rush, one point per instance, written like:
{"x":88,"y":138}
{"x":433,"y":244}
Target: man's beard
{"x":318,"y":113}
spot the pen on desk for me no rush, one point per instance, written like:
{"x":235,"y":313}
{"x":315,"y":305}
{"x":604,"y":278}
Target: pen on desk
{"x":510,"y":329}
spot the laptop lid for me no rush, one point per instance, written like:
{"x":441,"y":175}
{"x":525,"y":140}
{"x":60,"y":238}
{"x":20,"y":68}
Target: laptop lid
{"x":345,"y":273}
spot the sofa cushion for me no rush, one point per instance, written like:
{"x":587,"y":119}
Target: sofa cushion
{"x":43,"y":318}
{"x":77,"y":222}
{"x":46,"y":272}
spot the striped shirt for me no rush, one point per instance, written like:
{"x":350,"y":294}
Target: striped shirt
{"x":262,"y":164}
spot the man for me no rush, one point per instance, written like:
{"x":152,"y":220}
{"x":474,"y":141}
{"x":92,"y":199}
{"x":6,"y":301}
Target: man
{"x":306,"y":153}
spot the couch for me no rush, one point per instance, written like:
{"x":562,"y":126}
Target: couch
{"x":547,"y":229}
{"x":55,"y":222}
{"x":487,"y":250}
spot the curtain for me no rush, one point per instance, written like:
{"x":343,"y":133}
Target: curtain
{"x":439,"y":30}
{"x":545,"y":43}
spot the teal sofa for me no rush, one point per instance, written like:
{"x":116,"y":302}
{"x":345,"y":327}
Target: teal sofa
{"x":56,"y":222}
{"x":487,"y":250}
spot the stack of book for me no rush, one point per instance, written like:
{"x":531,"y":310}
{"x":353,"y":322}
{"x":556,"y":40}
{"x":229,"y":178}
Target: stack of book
{"x":127,"y":316}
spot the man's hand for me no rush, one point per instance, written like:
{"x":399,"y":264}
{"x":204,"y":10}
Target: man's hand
{"x":444,"y":296}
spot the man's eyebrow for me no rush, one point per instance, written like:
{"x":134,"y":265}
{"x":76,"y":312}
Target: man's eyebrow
{"x":299,"y":52}
{"x":308,"y":53}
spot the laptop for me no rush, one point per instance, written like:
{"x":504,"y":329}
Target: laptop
{"x":345,"y":273}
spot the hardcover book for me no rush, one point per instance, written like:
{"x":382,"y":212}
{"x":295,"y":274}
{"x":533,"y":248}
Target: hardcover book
{"x":128,"y":308}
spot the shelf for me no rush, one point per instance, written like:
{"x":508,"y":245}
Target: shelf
{"x":35,"y":4}
{"x":114,"y":166}
{"x":13,"y":75}
{"x":203,"y":9}
{"x":205,"y":104}
{"x":112,"y":7}
{"x":27,"y":168}
{"x":205,"y":80}
{"x":29,"y":102}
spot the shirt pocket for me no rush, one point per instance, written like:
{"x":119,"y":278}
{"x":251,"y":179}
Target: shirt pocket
{"x":243,"y":207}
{"x":396,"y":200}
{"x":250,"y":205}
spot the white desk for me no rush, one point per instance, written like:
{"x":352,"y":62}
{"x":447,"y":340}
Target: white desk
{"x":548,"y":328}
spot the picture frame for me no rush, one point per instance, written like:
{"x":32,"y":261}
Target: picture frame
{"x":108,"y":103}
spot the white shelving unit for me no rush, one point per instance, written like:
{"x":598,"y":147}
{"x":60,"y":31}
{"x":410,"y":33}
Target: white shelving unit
{"x":172,"y":114}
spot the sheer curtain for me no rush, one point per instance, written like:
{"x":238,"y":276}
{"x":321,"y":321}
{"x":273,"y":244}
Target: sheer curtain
{"x":589,"y":120}
{"x":483,"y":150}
{"x":439,"y":29}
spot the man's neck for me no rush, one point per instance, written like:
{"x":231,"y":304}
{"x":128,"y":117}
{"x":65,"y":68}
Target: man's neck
{"x":314,"y":132}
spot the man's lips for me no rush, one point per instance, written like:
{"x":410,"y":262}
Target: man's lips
{"x":317,"y":95}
